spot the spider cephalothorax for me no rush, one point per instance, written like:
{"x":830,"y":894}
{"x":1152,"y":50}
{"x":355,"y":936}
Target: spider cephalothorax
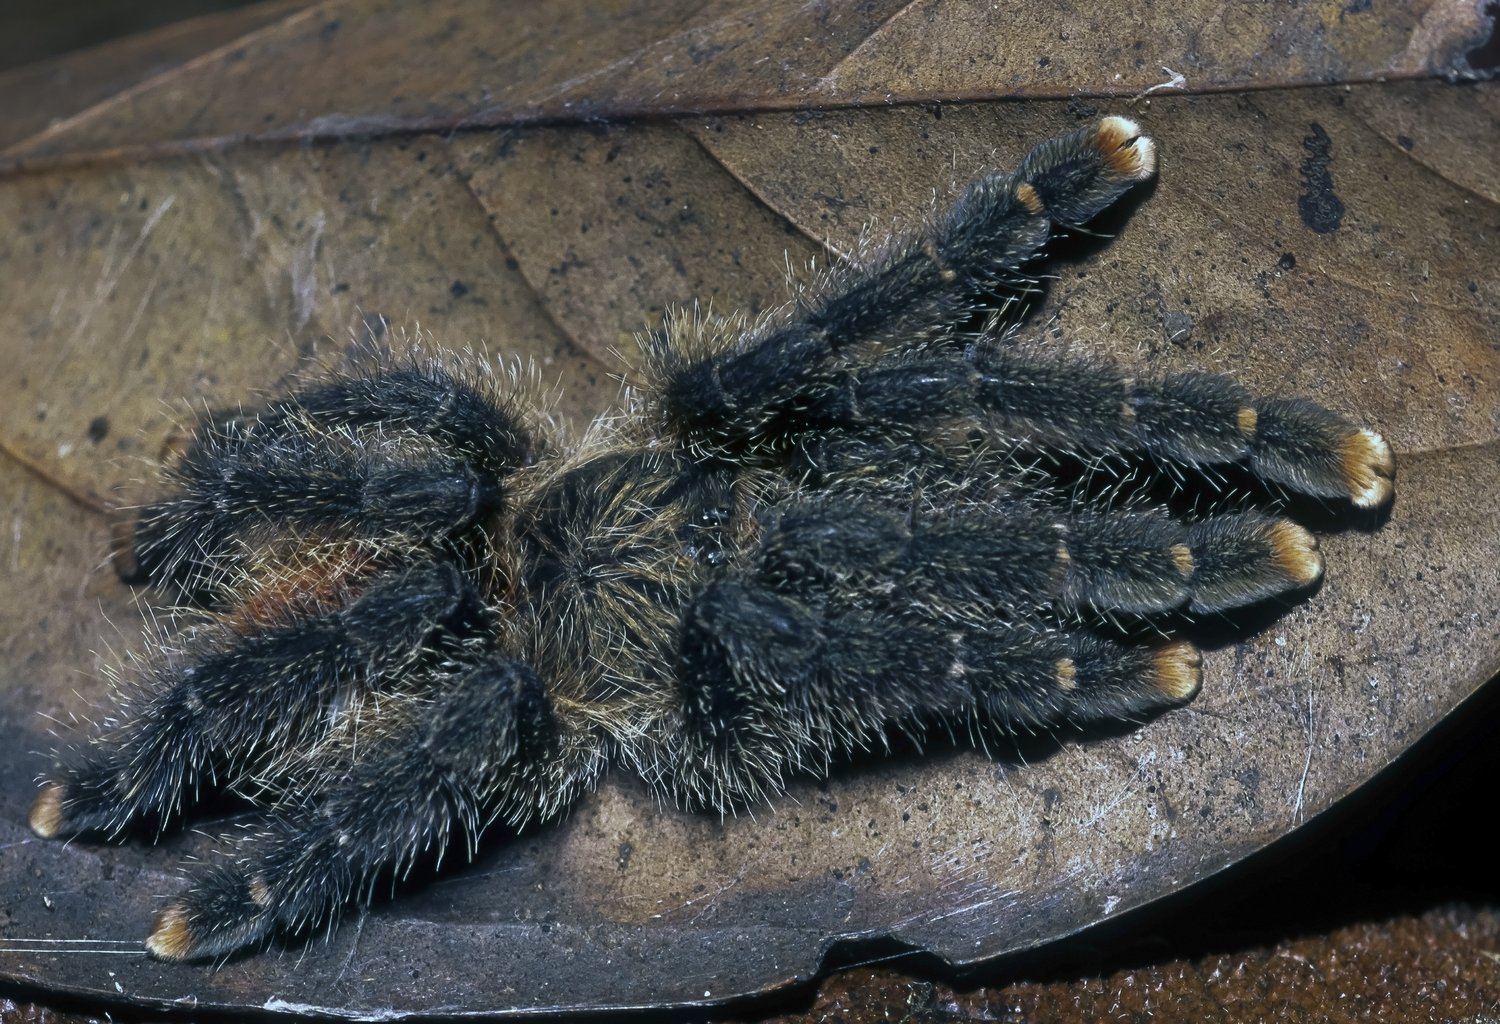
{"x":805,"y":534}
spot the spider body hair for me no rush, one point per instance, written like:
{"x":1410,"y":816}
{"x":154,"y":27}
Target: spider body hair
{"x":421,"y":617}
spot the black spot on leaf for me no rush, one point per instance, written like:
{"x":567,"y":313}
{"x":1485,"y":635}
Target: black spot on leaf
{"x":1320,"y":209}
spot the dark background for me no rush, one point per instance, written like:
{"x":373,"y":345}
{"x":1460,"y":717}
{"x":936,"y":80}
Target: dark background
{"x":32,"y":30}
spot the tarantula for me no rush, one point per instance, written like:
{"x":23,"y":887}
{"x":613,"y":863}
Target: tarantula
{"x":807,"y":534}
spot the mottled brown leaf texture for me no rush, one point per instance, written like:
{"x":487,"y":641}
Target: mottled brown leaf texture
{"x":200,"y":219}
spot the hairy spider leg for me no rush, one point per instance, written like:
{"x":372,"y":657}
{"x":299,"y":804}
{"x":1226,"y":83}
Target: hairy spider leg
{"x":1243,"y":557}
{"x":1010,"y":556}
{"x":780,"y":376}
{"x":990,"y":577}
{"x":1188,"y":419}
{"x":918,"y":282}
{"x":428,"y":399}
{"x":1125,"y":561}
{"x":852,"y":619}
{"x":223,"y":711}
{"x":471,"y":754}
{"x":772,"y":684}
{"x":241,"y":493}
{"x":321,"y":461}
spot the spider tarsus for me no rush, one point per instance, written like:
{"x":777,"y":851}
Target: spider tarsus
{"x":208,"y":921}
{"x":1313,"y":450}
{"x":1078,"y":175}
{"x":1114,"y":680}
{"x":86,"y":795}
{"x":1247,"y":557}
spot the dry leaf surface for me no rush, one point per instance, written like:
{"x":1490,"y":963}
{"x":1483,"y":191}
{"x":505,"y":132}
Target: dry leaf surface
{"x":35,"y":96}
{"x":174,"y":248}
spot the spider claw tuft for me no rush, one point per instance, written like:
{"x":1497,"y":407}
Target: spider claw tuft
{"x":1369,"y":469}
{"x":46,"y":818}
{"x":171,"y":936}
{"x":1177,"y":670}
{"x":1128,"y":153}
{"x":1295,"y":552}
